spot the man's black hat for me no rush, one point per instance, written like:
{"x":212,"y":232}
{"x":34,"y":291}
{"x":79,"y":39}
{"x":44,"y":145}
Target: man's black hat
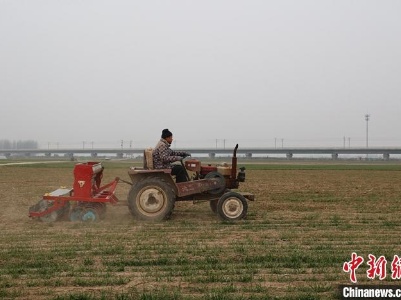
{"x":166,"y":133}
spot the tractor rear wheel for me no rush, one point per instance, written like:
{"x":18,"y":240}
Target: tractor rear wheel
{"x":151,"y":199}
{"x":232,"y":206}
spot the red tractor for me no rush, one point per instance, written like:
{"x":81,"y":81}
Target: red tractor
{"x":153,"y":193}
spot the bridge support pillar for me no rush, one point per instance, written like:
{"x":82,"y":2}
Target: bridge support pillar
{"x":212,"y":155}
{"x":248,"y":155}
{"x":334,"y":156}
{"x":289,"y":155}
{"x":386,"y":156}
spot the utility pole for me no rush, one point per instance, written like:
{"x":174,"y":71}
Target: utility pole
{"x":367,"y":116}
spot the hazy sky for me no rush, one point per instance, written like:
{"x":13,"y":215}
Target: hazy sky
{"x":246,"y":71}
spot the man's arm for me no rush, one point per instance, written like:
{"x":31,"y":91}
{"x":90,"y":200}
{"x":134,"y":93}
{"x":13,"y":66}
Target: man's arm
{"x":169,"y":156}
{"x":180,"y":153}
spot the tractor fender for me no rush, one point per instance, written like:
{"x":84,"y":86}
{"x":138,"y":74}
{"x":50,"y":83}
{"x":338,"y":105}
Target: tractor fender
{"x":164,"y":174}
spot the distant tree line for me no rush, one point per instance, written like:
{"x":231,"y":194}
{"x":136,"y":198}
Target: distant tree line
{"x":27,"y":144}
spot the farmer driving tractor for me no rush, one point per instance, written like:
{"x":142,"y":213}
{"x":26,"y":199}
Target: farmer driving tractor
{"x":153,"y":192}
{"x":163,"y":156}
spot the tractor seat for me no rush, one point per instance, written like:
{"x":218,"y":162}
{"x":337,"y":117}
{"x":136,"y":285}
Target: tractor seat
{"x":148,"y":159}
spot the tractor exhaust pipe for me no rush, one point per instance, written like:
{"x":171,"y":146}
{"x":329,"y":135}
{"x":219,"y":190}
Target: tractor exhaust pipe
{"x":234,"y":164}
{"x":241,"y":174}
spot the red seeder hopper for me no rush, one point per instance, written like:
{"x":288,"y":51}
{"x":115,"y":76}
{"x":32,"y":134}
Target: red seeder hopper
{"x":86,"y":201}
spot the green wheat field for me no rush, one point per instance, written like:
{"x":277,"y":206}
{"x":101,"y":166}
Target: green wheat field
{"x":305,"y":223}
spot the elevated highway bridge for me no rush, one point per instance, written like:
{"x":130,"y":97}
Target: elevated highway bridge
{"x":289,"y":152}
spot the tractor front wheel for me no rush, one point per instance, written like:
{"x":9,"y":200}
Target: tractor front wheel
{"x":232,"y":206}
{"x":151,"y":199}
